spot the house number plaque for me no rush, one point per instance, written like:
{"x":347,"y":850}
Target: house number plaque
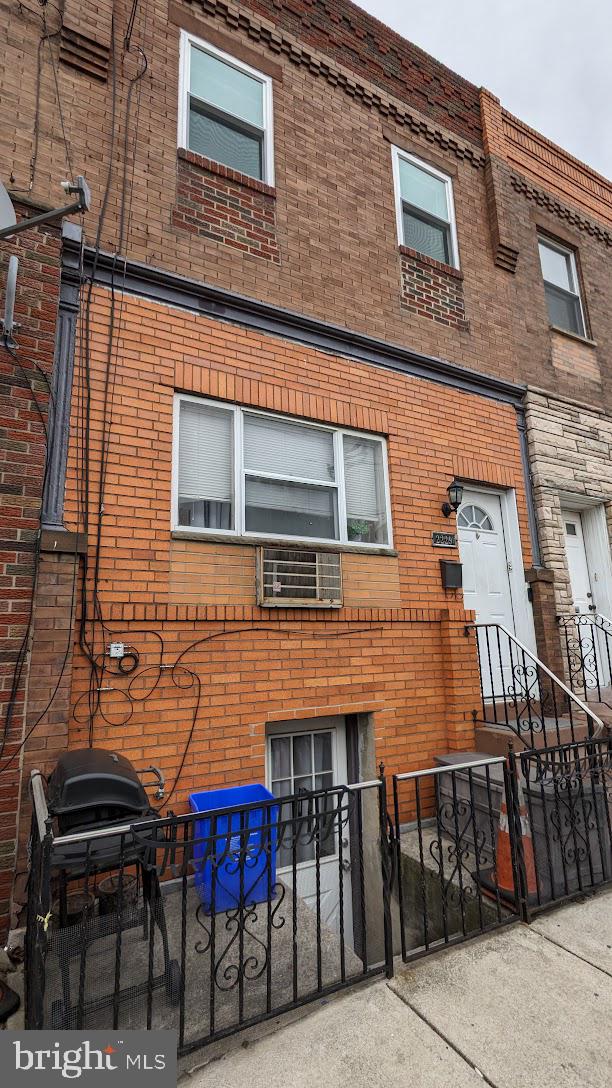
{"x":444,"y":540}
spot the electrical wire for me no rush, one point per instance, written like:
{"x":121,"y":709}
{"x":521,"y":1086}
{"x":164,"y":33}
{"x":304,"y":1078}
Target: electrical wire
{"x":58,"y":95}
{"x":22,"y":652}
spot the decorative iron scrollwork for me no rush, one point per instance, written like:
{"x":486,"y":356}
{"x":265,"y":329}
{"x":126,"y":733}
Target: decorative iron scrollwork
{"x":461,"y":844}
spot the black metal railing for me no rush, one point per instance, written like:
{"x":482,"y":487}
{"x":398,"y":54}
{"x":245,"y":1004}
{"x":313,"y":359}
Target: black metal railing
{"x":210,"y":922}
{"x":569,"y":798}
{"x":519,"y":692}
{"x":587,"y":646}
{"x":457,"y":876}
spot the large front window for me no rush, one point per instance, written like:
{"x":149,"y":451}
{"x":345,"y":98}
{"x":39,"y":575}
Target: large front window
{"x":251,"y":473}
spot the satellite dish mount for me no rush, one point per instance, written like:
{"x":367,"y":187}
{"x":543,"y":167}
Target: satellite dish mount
{"x":81,"y":204}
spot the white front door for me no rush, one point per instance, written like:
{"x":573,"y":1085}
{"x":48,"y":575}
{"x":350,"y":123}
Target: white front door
{"x":580,"y":580}
{"x":595,"y":647}
{"x":302,"y":761}
{"x":486,"y":582}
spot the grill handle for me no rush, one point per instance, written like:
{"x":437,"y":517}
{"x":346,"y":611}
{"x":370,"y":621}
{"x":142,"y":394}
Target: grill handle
{"x":158,"y":778}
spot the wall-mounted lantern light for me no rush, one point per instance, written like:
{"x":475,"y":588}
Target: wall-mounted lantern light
{"x":455,"y":498}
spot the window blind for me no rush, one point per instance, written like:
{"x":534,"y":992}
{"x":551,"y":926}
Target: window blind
{"x":362,"y":478}
{"x":292,"y":498}
{"x":223,"y":142}
{"x":205,"y":453}
{"x":288,"y":449}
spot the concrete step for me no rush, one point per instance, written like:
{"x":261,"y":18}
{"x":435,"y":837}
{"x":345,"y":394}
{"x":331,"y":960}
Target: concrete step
{"x":494,"y":739}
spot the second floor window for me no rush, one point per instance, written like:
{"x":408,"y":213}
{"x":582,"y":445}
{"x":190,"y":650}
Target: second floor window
{"x":425,"y":208}
{"x":561,"y":287}
{"x":225,"y":110}
{"x":248,"y":473}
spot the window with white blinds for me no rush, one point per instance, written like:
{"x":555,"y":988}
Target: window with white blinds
{"x":364,"y":486}
{"x":205,"y":466}
{"x":256,"y":474}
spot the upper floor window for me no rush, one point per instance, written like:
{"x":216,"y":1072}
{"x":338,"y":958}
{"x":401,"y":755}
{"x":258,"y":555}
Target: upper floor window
{"x":425,"y":208}
{"x":225,"y":110}
{"x":244,"y":472}
{"x":561,"y":286}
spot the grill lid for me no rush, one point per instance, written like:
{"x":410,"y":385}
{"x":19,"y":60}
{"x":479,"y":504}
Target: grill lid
{"x":89,"y":778}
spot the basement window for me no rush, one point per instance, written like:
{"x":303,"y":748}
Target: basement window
{"x":242,"y":472}
{"x":561,"y":286}
{"x":424,"y":208}
{"x":225,"y":110}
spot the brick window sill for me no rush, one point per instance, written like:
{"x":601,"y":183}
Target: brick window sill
{"x":226,"y":172}
{"x":574,"y":336}
{"x":428,"y":262}
{"x":274,"y":542}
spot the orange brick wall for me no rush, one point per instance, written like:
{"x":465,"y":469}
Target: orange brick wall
{"x":409,"y":665}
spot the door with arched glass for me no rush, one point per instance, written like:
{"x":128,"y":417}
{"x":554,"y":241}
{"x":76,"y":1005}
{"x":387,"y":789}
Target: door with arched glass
{"x":486,"y":578}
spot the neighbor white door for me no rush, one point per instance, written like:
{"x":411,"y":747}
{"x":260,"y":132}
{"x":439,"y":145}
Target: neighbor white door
{"x":486,"y":582}
{"x":580,"y":580}
{"x":301,"y":761}
{"x":594,"y":645}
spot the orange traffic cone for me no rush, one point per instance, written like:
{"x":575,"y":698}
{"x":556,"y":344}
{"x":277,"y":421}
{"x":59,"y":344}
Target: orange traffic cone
{"x":504,"y":870}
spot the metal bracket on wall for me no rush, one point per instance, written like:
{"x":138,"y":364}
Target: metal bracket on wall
{"x":82,"y":204}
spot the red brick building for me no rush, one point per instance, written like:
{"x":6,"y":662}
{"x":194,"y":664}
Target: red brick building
{"x":308,"y":297}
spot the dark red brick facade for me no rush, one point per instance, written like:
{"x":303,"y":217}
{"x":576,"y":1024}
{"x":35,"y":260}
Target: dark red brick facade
{"x":431,"y":289}
{"x":23,"y":390}
{"x":216,"y":202}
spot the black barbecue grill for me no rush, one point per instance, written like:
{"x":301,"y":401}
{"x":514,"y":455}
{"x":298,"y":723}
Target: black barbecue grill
{"x":91,"y":786}
{"x":93,"y":797}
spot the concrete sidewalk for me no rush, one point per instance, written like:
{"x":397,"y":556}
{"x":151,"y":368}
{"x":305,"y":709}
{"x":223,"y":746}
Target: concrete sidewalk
{"x":527,"y":1007}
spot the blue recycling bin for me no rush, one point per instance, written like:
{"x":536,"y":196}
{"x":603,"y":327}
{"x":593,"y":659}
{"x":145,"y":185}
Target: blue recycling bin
{"x":231,"y":865}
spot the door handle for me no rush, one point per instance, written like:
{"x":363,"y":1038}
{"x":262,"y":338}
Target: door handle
{"x":346,"y":865}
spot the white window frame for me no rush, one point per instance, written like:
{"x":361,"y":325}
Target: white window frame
{"x":189,"y":41}
{"x":397,"y":155}
{"x":239,"y":532}
{"x":565,"y":251}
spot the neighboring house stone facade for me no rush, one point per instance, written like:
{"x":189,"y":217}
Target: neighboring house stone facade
{"x":570,"y":452}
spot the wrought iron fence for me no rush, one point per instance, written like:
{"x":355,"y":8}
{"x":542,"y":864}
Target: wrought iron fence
{"x":211,"y":922}
{"x":568,"y":792}
{"x":208,"y":922}
{"x":587,"y":645}
{"x":520,"y":693}
{"x":460,"y":873}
